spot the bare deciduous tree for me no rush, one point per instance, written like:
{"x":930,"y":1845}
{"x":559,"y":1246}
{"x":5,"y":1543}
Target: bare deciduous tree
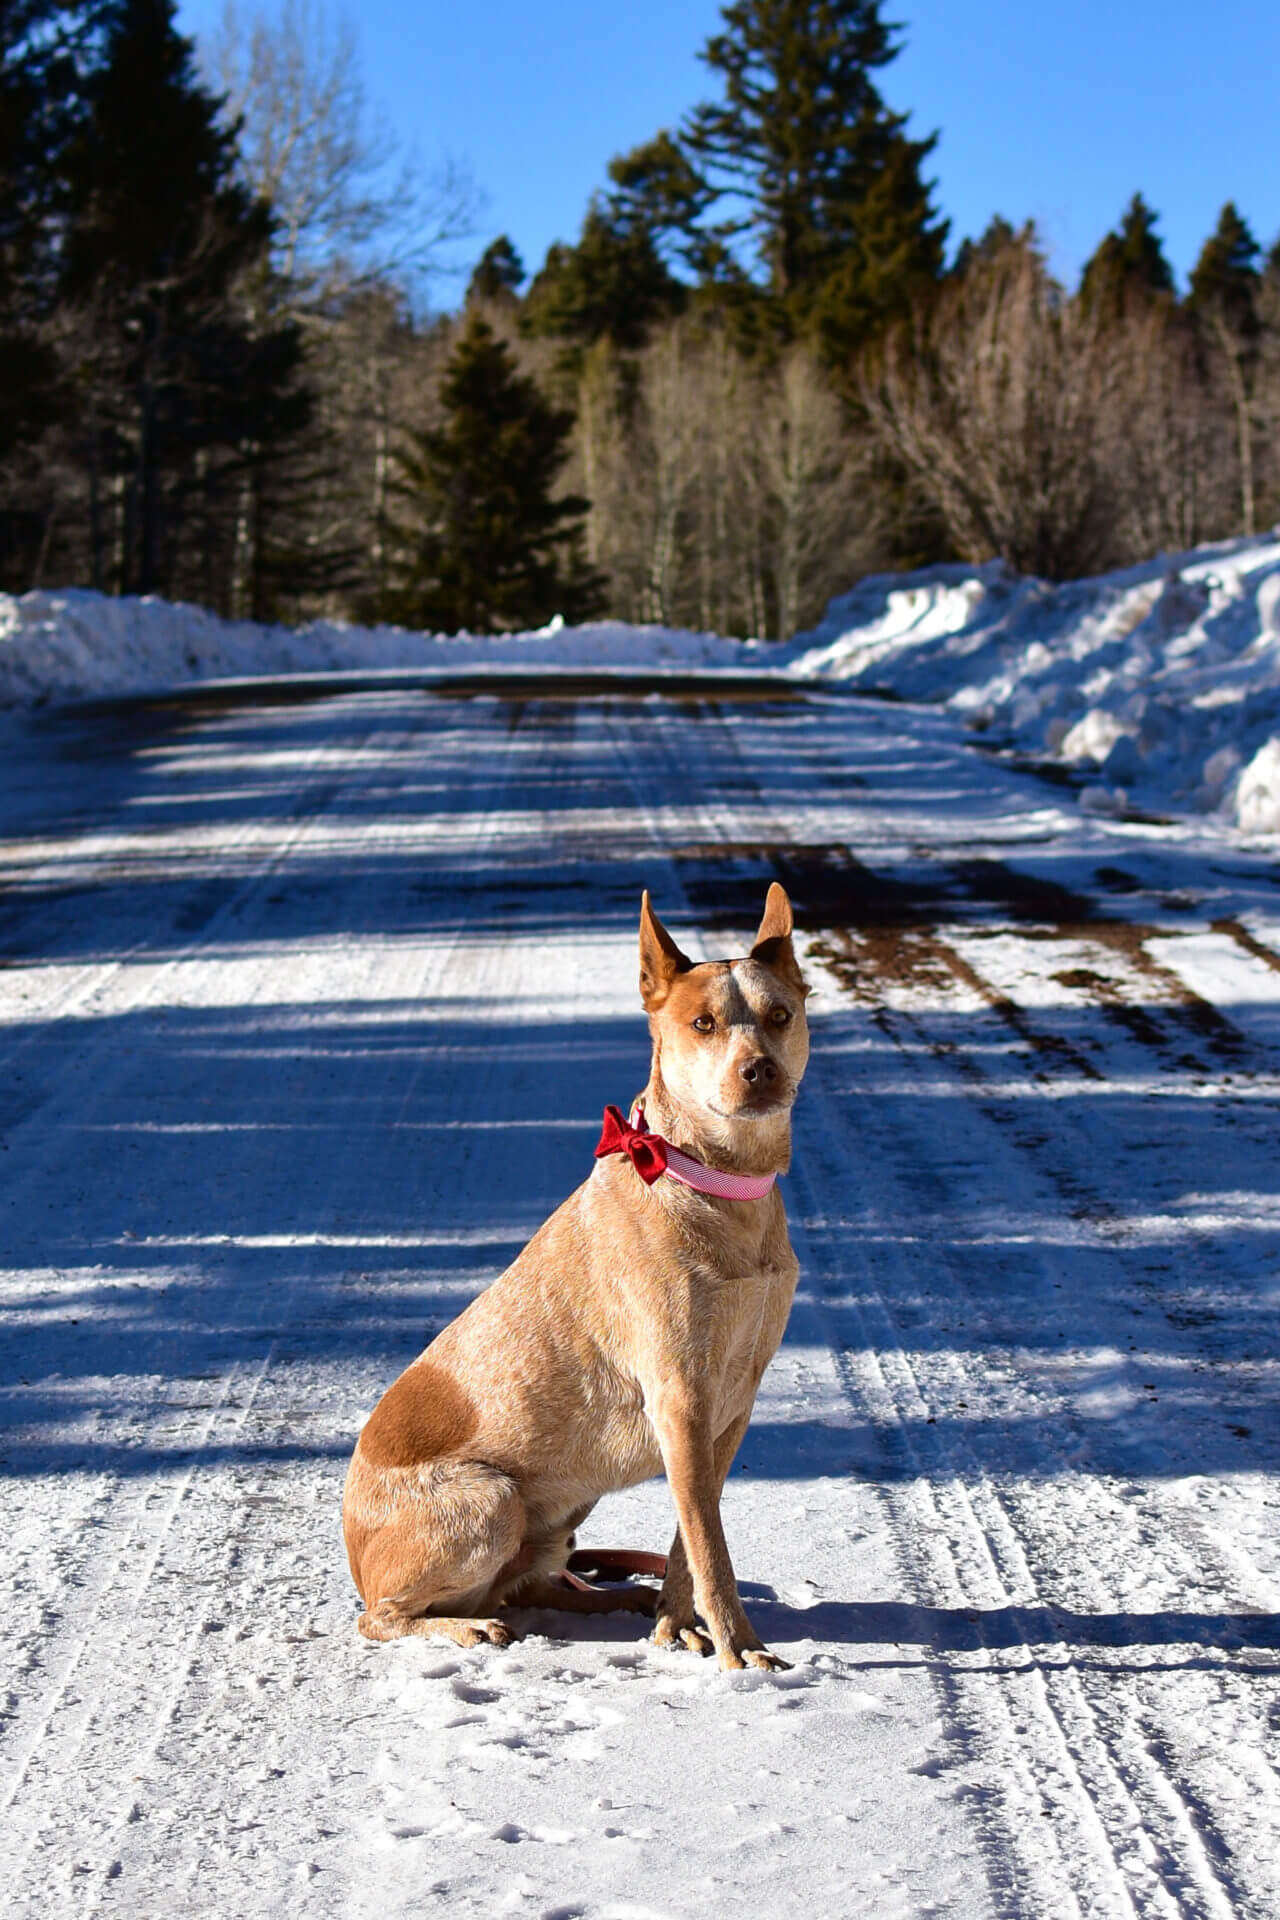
{"x":726,"y":494}
{"x":994,"y":402}
{"x":823,"y":524}
{"x":1267,"y":390}
{"x":1165,"y":450}
{"x":353,"y":208}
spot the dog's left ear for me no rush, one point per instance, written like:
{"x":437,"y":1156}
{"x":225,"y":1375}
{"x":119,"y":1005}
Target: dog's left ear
{"x":772,"y":943}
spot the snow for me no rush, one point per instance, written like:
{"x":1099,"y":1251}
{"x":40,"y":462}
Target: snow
{"x":1257,"y":789}
{"x":73,"y":644}
{"x":1164,"y":679}
{"x":308,"y":1009}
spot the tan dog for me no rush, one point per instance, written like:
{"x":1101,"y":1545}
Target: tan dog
{"x":628,"y":1338}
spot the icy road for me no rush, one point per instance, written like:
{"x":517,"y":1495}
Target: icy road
{"x":311,"y":1005}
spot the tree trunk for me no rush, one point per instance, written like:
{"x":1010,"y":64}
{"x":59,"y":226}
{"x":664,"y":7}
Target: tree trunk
{"x":1244,"y":423}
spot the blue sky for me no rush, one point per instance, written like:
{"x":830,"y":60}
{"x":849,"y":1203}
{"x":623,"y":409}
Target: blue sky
{"x":1050,"y":112}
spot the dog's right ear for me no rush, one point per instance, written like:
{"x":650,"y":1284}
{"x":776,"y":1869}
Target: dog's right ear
{"x":660,"y":958}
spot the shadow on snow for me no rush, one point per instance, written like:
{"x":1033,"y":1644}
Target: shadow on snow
{"x":329,"y":1185}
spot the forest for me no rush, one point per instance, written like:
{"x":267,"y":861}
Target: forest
{"x":762,"y":369}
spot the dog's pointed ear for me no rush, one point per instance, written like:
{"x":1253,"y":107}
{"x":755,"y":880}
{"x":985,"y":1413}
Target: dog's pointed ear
{"x":776,"y":922}
{"x":772,"y":943}
{"x":660,"y":958}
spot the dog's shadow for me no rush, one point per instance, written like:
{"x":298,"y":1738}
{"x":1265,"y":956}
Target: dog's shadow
{"x":1045,"y":1636}
{"x":888,"y":1633}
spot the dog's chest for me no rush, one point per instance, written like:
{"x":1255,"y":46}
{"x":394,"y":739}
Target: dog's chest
{"x":747,"y":1312}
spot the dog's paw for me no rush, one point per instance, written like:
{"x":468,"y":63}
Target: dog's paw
{"x":671,"y":1632}
{"x":767,"y":1662}
{"x":479,"y":1633}
{"x":758,"y":1657}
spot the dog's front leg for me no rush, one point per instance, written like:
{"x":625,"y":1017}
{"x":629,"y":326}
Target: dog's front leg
{"x":676,"y":1624}
{"x":700,"y":1551}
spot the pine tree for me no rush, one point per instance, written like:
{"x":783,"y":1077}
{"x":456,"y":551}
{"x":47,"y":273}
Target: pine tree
{"x":657,"y":188}
{"x":1128,"y":266}
{"x":38,"y":97}
{"x":1223,"y":302}
{"x":997,"y":237}
{"x":483,"y":545}
{"x":840,"y":217}
{"x":36,"y":80}
{"x":613,"y":284}
{"x":1225,"y":278}
{"x":161,"y":247}
{"x":498,"y":274}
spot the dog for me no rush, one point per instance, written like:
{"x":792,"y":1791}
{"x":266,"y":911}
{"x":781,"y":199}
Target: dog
{"x":628,"y":1338}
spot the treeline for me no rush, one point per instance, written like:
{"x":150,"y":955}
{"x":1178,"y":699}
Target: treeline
{"x":206,"y":337}
{"x":752,"y":377}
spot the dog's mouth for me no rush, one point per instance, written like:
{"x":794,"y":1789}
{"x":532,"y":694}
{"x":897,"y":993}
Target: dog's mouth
{"x":758,"y":1106}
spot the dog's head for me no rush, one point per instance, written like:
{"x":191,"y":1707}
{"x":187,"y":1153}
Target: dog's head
{"x":731,"y":1035}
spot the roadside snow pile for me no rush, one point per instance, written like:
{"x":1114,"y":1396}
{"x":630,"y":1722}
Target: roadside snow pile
{"x":1165,"y":678}
{"x":73,"y":644}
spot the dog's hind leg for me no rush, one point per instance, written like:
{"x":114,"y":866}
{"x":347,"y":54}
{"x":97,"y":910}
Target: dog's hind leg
{"x":447,"y":1531}
{"x":385,"y":1622}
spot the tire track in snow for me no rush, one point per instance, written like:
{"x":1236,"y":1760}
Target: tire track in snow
{"x":109,"y":1701}
{"x":970,"y":1537}
{"x":1192,"y":1851}
{"x":1189,"y":1820}
{"x":142,"y":988}
{"x":142,"y":1514}
{"x":1125,"y":1801}
{"x":1084,"y":1852}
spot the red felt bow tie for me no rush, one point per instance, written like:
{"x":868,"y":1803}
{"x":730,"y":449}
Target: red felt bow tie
{"x":652,"y":1156}
{"x":647,"y":1152}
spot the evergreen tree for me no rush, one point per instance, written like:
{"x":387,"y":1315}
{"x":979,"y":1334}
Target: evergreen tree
{"x":483,"y":545}
{"x":613,"y":284}
{"x":39,"y":75}
{"x":1224,"y":303}
{"x":498,"y":274}
{"x":1128,"y":265}
{"x":841,"y":219}
{"x":885,"y":264}
{"x":1225,"y":279}
{"x":36,"y":84}
{"x":658,"y":188}
{"x":992,"y":244}
{"x":161,"y":247}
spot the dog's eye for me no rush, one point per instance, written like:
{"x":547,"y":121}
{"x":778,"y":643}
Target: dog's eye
{"x":779,"y":1016}
{"x":704,"y":1024}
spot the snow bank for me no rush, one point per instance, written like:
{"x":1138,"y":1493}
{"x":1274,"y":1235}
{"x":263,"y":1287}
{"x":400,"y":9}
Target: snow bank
{"x":73,"y":644}
{"x":1165,"y":678}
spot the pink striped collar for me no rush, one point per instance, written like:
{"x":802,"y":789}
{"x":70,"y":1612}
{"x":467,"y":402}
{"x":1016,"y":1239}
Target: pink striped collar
{"x":652,"y":1156}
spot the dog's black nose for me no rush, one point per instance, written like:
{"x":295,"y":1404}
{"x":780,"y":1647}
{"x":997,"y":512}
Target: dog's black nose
{"x":760,"y":1072}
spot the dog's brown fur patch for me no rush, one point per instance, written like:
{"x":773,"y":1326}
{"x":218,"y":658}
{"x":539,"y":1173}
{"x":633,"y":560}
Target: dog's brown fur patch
{"x":425,"y":1415}
{"x":698,"y":991}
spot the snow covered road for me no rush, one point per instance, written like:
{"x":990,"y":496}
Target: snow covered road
{"x":310,"y":1008}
